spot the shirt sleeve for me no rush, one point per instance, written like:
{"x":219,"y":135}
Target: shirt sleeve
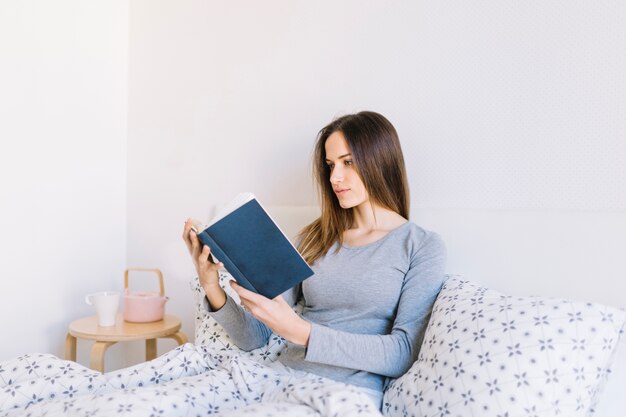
{"x":247,"y":332}
{"x":391,"y":354}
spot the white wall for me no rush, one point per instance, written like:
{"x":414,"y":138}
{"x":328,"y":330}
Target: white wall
{"x":63,"y":113}
{"x":510,"y":114}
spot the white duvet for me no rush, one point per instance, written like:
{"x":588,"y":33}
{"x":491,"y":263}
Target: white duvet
{"x":190,"y":380}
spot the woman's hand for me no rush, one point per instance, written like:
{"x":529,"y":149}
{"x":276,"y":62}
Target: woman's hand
{"x":276,"y":314}
{"x":206,"y":269}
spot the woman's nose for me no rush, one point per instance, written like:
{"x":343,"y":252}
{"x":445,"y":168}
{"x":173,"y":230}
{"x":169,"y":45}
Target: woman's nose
{"x":336,"y":175}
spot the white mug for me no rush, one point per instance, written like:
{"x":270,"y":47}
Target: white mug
{"x":106,"y":304}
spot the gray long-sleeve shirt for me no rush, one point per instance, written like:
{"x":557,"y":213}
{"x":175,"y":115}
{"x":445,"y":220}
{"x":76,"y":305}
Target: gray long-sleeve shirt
{"x":368,"y":306}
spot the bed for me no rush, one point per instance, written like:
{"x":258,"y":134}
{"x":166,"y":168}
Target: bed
{"x":484,"y":353}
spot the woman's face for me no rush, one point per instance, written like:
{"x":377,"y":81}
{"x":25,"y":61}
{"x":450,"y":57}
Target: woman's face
{"x":344,"y":179}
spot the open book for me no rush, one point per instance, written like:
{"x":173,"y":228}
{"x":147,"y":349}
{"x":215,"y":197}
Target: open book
{"x":253,"y":248}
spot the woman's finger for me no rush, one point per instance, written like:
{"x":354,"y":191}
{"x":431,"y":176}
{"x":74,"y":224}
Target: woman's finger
{"x":195,"y":242}
{"x":203,"y":258}
{"x":280,"y":299}
{"x":248,"y":295}
{"x":186,"y":230}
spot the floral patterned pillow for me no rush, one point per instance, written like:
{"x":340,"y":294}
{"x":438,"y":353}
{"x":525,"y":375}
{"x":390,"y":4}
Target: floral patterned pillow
{"x":210,"y":333}
{"x":492,"y":355}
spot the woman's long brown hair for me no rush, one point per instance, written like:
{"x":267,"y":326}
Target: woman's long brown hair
{"x":377,"y":156}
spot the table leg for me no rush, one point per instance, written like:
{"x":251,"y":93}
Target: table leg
{"x":97,"y":355}
{"x":70,"y":347}
{"x":180,"y":338}
{"x":151,"y":349}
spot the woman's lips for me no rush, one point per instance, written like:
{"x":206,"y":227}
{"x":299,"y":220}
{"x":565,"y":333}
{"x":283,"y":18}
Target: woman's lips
{"x":341,"y":191}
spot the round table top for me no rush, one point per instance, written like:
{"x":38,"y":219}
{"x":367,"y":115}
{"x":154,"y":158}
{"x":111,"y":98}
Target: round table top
{"x":87,"y":328}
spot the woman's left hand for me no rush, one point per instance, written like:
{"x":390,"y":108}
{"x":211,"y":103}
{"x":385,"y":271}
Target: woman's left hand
{"x":276,"y":314}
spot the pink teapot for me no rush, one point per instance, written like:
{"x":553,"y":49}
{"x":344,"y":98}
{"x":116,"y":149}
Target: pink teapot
{"x":144,"y":306}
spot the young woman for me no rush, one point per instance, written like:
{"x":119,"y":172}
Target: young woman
{"x":376,"y":277}
{"x":364,"y":311}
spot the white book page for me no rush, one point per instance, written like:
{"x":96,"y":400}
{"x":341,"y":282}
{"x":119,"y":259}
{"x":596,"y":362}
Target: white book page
{"x":235,"y":203}
{"x":238,"y":201}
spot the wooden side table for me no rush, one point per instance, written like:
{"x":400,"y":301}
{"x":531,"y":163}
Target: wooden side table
{"x":123,"y":331}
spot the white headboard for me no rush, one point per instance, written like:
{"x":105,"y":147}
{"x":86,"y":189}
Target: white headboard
{"x":573,"y":254}
{"x":292,"y":219}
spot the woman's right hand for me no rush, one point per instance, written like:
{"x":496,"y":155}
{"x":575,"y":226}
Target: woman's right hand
{"x":206,"y":269}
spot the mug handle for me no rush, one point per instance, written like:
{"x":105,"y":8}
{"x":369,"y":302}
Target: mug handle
{"x":88,"y":299}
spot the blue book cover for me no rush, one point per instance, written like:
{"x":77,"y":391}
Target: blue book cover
{"x":255,"y":251}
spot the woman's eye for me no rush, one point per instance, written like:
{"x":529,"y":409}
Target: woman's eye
{"x":348,"y":162}
{"x":331,"y":166}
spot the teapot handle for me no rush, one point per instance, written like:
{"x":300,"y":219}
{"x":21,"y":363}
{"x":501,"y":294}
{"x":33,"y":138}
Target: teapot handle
{"x":155,"y":270}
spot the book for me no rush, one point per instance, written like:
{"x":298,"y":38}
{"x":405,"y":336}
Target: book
{"x":252,"y":248}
